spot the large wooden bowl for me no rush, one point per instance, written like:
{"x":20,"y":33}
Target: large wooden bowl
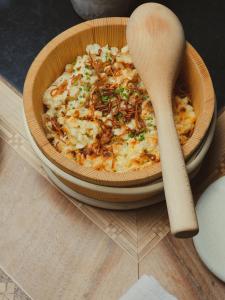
{"x":50,"y":63}
{"x":114,"y":197}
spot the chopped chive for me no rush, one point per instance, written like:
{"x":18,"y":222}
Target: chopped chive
{"x":126,"y":96}
{"x":105,"y":98}
{"x":123,"y":92}
{"x":119,"y":90}
{"x":141,"y":137}
{"x":118,"y":116}
{"x":131,"y":134}
{"x":86,"y":88}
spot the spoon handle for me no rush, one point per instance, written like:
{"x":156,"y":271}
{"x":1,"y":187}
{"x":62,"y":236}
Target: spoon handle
{"x":179,"y":199}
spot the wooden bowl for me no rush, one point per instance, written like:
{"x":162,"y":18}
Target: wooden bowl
{"x":114,"y":197}
{"x":103,"y":203}
{"x":50,"y":63}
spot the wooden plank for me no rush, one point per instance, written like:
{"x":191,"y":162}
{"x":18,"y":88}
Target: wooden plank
{"x":52,"y":250}
{"x":152,"y":226}
{"x":177,"y":266}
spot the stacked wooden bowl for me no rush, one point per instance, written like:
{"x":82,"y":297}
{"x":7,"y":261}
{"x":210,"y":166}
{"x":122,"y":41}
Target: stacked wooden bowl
{"x":100,"y":188}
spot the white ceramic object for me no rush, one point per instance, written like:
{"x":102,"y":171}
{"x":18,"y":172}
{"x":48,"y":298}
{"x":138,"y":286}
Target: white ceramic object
{"x":91,"y":9}
{"x":210,"y":242}
{"x":142,"y":192}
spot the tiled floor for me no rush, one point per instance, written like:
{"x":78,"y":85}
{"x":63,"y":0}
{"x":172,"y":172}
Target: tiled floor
{"x":9,"y":290}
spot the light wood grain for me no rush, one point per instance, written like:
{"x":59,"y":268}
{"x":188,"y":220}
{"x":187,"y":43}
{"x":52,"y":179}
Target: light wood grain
{"x":49,"y":246}
{"x":151,"y":230}
{"x":49,"y":64}
{"x":177,"y":266}
{"x":151,"y":29}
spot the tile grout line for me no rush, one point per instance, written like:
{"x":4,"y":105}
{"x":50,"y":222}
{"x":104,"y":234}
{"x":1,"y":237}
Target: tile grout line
{"x":16,"y":283}
{"x":138,"y":258}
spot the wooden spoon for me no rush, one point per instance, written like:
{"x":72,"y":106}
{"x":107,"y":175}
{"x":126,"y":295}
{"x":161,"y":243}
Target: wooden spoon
{"x":156,"y":42}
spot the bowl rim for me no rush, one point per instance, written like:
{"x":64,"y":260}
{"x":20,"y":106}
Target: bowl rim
{"x":89,"y":174}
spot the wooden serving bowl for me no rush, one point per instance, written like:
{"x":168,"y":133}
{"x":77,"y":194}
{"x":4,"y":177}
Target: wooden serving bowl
{"x":123,"y":197}
{"x":50,"y":63}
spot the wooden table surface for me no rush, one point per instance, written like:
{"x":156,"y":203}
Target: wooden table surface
{"x":53,"y":247}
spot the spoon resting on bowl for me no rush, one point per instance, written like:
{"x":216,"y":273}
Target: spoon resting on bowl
{"x":156,"y":43}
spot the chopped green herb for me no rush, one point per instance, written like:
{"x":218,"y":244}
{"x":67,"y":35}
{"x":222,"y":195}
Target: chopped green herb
{"x":119,"y":90}
{"x":146,"y":97}
{"x":87,"y":72}
{"x":123,"y":92}
{"x":141,"y":137}
{"x":71,"y":105}
{"x":118,"y":116}
{"x":125,"y":95}
{"x":75,"y":82}
{"x":105,"y":98}
{"x":131,"y":134}
{"x":136,"y":94}
{"x":86,"y":88}
{"x":150,"y":121}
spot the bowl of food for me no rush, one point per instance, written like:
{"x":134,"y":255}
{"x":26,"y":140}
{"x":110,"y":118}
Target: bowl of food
{"x":114,"y":197}
{"x":90,"y":115}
